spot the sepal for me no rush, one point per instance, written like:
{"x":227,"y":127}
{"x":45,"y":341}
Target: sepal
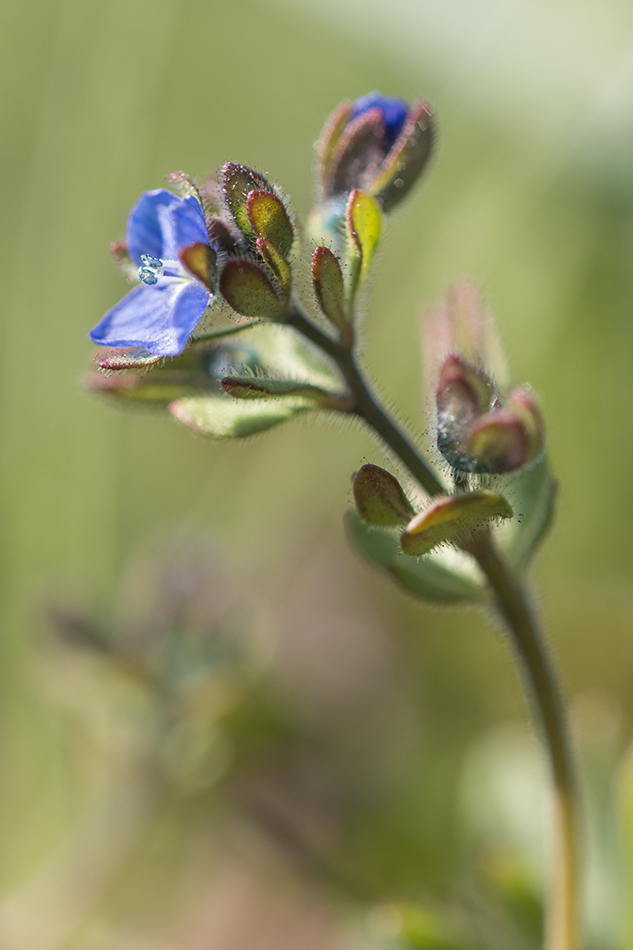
{"x":329,"y":287}
{"x":363,"y":219}
{"x":278,"y":265}
{"x":183,"y":185}
{"x":200,"y":260}
{"x":407,"y":159}
{"x":248,"y":290}
{"x":238,"y":181}
{"x":269,"y":219}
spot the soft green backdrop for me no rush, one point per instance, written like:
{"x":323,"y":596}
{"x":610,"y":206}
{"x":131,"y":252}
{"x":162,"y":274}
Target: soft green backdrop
{"x":531,"y":192}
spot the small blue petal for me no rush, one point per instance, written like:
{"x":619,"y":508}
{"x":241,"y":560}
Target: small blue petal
{"x":394,"y":112}
{"x":189,"y":226}
{"x":145,"y":233}
{"x":160,"y":317}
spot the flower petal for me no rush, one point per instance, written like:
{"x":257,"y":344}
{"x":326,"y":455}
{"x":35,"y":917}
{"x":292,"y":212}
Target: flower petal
{"x":187,"y":224}
{"x":159,"y":317}
{"x":145,"y":230}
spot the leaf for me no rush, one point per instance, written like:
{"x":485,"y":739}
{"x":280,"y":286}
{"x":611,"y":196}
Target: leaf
{"x":450,"y":519}
{"x":248,"y":290}
{"x":329,"y":286}
{"x":432,"y":579}
{"x":364,"y":223}
{"x":270,"y":220}
{"x":222,"y":417}
{"x":534,"y":499}
{"x":380,"y":499}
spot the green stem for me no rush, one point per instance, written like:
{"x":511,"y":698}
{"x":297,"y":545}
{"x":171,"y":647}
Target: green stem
{"x":514,"y":606}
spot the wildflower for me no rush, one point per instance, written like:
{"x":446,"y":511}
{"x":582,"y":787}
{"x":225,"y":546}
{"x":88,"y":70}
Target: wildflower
{"x":168,"y":242}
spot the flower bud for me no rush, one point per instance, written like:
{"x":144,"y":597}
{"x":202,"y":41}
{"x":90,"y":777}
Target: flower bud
{"x":478,"y":431}
{"x":378,"y":144}
{"x":379,"y":497}
{"x":504,"y":439}
{"x":463,"y":394}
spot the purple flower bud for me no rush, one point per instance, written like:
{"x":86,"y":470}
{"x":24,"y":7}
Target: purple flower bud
{"x":378,"y":144}
{"x":477,"y":430}
{"x":393,"y":110}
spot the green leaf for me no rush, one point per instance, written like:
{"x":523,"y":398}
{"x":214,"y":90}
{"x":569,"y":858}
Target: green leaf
{"x":533,"y":495}
{"x":222,"y":417}
{"x":451,"y":519}
{"x":249,"y":291}
{"x":270,"y":220}
{"x":437,"y":579}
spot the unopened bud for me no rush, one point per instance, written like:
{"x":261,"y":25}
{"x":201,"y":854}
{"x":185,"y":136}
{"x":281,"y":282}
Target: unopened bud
{"x":463,"y":394}
{"x":507,"y":438}
{"x":378,"y":144}
{"x":379,"y":497}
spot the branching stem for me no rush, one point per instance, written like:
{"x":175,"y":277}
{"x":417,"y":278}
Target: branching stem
{"x":514,"y":607}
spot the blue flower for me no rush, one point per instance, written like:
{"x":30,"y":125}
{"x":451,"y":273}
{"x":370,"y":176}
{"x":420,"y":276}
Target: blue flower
{"x":394,"y":111}
{"x":161,"y":313}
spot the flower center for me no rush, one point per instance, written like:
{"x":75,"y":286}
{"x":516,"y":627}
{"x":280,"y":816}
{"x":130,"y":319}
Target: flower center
{"x":152,"y":268}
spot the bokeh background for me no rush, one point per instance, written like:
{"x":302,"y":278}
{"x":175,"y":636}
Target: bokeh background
{"x":394,"y":736}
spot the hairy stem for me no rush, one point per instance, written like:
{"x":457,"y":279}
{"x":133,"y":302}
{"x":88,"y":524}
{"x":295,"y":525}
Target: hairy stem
{"x":514,"y":607}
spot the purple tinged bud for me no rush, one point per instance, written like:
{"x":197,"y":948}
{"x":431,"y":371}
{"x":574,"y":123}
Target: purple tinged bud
{"x":478,"y":431}
{"x":379,"y":497}
{"x":377,"y":144}
{"x":392,"y":109}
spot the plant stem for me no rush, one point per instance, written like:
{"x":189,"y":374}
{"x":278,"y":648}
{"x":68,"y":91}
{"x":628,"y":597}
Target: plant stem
{"x":365,"y":405}
{"x":514,"y":606}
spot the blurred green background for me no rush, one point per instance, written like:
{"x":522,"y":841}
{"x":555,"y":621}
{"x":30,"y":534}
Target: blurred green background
{"x":531,"y":192}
